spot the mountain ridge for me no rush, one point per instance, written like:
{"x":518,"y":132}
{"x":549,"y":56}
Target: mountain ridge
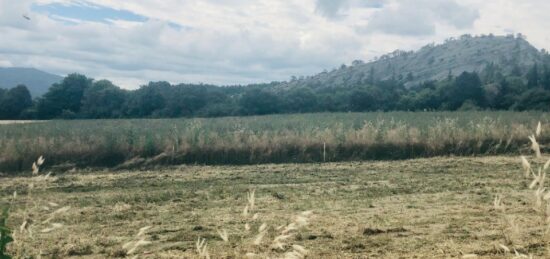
{"x":37,"y":81}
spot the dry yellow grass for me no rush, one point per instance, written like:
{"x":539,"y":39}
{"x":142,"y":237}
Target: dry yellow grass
{"x":8,"y":122}
{"x":439,"y":207}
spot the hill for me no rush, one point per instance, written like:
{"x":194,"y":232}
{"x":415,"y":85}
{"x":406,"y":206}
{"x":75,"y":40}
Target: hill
{"x":36,"y":81}
{"x":433,"y":62}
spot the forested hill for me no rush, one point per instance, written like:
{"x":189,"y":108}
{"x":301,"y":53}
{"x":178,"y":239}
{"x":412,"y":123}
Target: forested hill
{"x":36,"y":81}
{"x":510,"y":54}
{"x":486,"y":72}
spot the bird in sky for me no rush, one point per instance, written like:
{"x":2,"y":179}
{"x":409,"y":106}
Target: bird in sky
{"x":26,"y":17}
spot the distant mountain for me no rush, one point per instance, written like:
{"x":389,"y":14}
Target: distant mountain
{"x":36,"y":81}
{"x":433,"y":62}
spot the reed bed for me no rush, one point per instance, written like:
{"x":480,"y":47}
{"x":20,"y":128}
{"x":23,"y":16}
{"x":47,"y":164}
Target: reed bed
{"x":268,"y":139}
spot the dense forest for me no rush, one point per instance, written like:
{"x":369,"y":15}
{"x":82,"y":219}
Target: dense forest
{"x":520,"y":81}
{"x":80,"y":97}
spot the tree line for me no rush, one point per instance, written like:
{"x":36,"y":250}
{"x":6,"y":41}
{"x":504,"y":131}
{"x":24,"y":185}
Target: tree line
{"x":80,"y":97}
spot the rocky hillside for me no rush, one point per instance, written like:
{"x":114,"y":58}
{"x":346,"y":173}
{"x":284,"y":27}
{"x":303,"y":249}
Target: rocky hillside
{"x":432,"y":62}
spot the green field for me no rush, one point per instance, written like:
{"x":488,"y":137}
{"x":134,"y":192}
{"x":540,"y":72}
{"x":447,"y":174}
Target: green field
{"x":332,"y":137}
{"x":424,"y":208}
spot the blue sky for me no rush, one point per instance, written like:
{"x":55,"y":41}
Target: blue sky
{"x":241,"y":41}
{"x":75,"y":13}
{"x":86,"y":12}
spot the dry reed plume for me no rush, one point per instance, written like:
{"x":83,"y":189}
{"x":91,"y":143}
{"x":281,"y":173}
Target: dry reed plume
{"x":541,"y":201}
{"x":38,"y":213}
{"x":263,"y":243}
{"x":139,"y":240}
{"x":202,"y":248}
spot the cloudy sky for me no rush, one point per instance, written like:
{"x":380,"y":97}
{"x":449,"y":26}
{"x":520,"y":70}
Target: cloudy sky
{"x":241,"y":41}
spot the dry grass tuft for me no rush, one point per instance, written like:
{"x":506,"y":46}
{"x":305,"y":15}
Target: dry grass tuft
{"x":223,"y":235}
{"x":202,"y":248}
{"x":541,"y":205}
{"x":535,"y":146}
{"x":38,"y":213}
{"x":259,"y":245}
{"x":497,"y":204}
{"x":526,"y":167}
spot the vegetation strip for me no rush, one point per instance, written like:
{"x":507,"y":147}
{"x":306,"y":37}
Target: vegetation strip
{"x":267,"y":139}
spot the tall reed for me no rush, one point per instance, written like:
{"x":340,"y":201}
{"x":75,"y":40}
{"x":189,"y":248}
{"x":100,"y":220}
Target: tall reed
{"x":268,"y":139}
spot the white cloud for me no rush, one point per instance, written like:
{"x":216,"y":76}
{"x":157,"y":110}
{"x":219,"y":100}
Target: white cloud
{"x":5,"y":63}
{"x":330,"y":8}
{"x":339,"y":8}
{"x":420,"y":17}
{"x":244,"y":41}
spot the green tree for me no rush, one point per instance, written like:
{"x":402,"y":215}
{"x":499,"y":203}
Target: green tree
{"x":220,"y":101}
{"x":14,"y":101}
{"x":299,"y":100}
{"x":534,"y":99}
{"x":427,"y":99}
{"x":333,"y":99}
{"x":533,"y":76}
{"x":509,"y":92}
{"x":545,"y":77}
{"x":363,"y":99}
{"x":371,"y":77}
{"x":467,"y":86}
{"x":103,"y":100}
{"x":259,"y":102}
{"x":186,"y":100}
{"x":409,"y":77}
{"x":145,"y":101}
{"x":64,"y":97}
{"x":516,"y":69}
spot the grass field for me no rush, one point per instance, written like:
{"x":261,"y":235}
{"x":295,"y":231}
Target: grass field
{"x":437,"y":207}
{"x":266,"y":139}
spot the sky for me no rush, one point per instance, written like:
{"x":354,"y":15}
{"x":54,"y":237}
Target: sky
{"x":228,"y":42}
